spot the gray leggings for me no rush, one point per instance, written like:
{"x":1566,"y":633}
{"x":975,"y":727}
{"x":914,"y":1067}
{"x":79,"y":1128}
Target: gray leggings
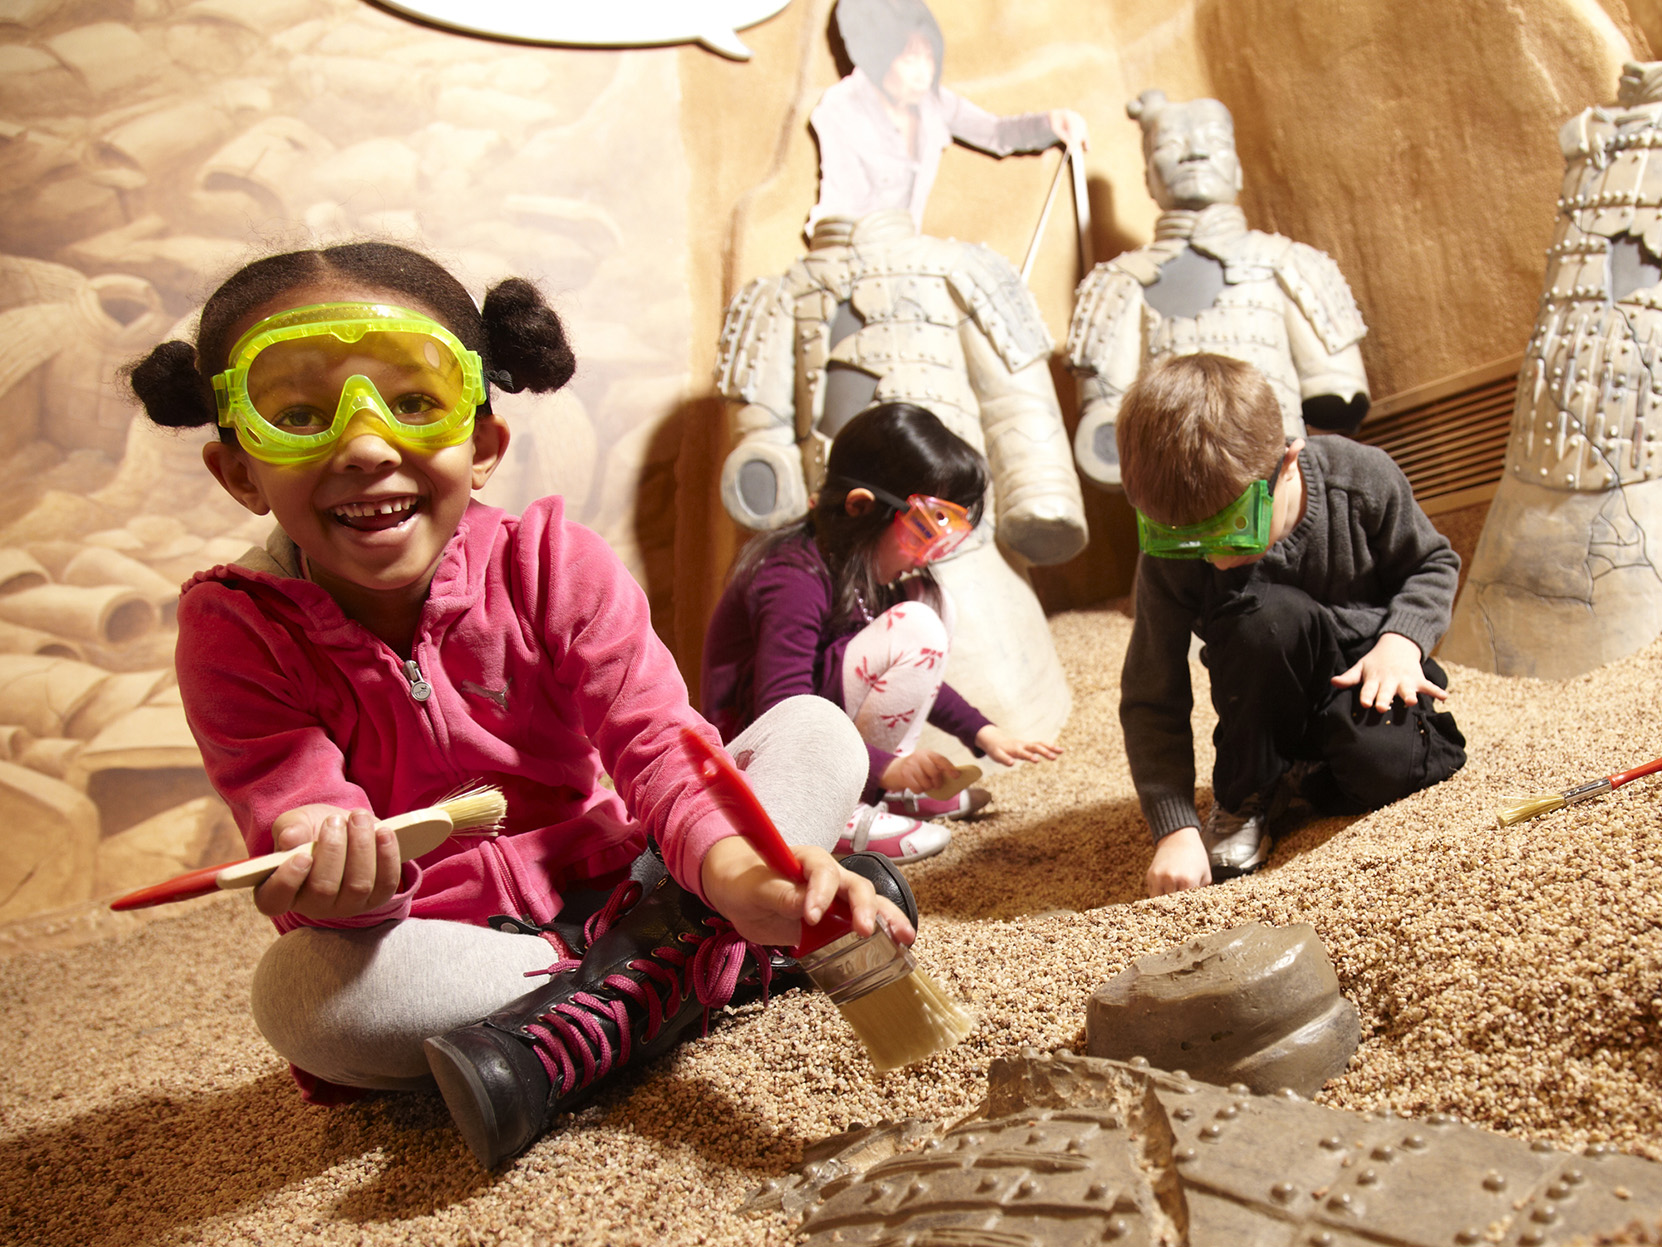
{"x":354,"y":1006}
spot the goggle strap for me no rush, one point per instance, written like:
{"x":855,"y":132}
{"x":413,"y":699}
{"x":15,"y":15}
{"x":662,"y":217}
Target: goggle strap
{"x":876,"y":491}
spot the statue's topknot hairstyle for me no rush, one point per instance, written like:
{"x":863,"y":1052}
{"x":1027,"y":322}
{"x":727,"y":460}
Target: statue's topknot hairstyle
{"x":1147,"y":107}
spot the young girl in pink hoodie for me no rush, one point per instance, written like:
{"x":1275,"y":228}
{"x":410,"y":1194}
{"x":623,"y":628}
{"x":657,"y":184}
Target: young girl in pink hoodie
{"x":396,"y":640}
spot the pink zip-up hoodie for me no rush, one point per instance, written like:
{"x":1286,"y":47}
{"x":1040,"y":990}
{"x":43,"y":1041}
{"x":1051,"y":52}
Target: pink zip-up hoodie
{"x":534,"y":668}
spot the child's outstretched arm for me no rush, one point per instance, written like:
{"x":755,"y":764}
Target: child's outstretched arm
{"x":1004,"y":748}
{"x":353,"y":866}
{"x":768,"y":909}
{"x":1180,"y":863}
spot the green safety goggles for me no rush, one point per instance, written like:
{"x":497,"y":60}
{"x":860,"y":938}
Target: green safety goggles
{"x":1243,"y":527}
{"x":299,"y":378}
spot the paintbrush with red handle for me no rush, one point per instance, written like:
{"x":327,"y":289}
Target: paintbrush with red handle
{"x":900,"y":1014}
{"x":479,"y":810}
{"x":1543,"y":803}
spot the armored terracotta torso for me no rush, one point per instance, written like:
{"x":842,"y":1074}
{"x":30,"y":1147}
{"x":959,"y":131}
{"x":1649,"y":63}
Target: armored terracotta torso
{"x":1590,"y":396}
{"x":876,"y":312}
{"x":1207,"y":283}
{"x":1566,"y":574}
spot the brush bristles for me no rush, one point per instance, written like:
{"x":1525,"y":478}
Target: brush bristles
{"x":906,"y":1022}
{"x":1529,"y":807}
{"x":480,"y":808}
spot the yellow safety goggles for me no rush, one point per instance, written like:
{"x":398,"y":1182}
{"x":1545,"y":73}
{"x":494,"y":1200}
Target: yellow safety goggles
{"x":297,"y":379}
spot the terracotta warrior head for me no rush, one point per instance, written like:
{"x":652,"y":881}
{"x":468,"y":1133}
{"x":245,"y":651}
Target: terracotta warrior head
{"x":1190,"y":150}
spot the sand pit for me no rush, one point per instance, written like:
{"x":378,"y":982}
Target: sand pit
{"x":1509,"y":977}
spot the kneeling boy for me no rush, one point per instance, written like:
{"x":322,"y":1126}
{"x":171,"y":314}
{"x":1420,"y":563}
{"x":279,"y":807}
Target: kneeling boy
{"x":1318,"y":589}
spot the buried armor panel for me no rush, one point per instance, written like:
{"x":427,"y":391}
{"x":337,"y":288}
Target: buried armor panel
{"x":1070,"y":1149}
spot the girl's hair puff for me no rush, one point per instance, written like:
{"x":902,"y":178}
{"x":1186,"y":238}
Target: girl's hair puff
{"x":518,"y":336}
{"x":901,"y":449}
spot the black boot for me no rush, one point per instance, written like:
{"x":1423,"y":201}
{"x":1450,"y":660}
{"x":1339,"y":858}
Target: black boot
{"x":643,"y":983}
{"x":885,"y":876}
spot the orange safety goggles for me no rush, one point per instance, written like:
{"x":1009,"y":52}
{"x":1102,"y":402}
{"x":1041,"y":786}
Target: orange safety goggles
{"x":930,"y":528}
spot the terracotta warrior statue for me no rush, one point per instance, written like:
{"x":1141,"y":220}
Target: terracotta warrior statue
{"x":1566,"y":576}
{"x":1208,"y":283}
{"x":877,"y":312}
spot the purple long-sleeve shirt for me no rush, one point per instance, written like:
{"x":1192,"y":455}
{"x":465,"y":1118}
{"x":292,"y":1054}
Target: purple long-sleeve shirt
{"x":779,"y":634}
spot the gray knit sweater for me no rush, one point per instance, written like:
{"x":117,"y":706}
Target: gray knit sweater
{"x":1363,"y":548}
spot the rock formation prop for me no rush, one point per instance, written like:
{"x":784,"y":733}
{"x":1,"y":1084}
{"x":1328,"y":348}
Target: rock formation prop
{"x":1070,"y":1149}
{"x":1256,"y":1005}
{"x":1566,"y":575}
{"x":1208,"y":283}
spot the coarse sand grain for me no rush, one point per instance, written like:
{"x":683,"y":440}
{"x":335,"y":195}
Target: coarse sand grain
{"x":1509,"y":977}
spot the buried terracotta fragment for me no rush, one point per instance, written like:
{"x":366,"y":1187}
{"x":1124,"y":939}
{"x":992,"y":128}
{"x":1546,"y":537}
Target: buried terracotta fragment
{"x":1254,"y":1004}
{"x":1071,"y":1149}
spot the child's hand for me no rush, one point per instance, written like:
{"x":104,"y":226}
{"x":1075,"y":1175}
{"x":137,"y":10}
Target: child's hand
{"x":1004,"y":748}
{"x":351,"y":869}
{"x":1391,"y":669}
{"x":1180,"y":863}
{"x":768,"y":909}
{"x":919,"y":770}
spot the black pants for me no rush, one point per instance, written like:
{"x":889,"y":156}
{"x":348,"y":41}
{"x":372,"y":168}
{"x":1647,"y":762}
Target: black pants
{"x":1272,"y":652}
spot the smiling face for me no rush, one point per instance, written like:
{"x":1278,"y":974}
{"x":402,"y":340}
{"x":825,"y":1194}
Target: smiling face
{"x":1191,"y":156}
{"x":372,"y":516}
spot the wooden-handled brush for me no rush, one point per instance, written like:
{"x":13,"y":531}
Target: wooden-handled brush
{"x":478,"y":810}
{"x":1545,"y":803}
{"x":900,"y":1014}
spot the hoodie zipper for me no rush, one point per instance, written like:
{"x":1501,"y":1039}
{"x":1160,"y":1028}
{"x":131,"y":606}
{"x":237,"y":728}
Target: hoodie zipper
{"x":419,"y":688}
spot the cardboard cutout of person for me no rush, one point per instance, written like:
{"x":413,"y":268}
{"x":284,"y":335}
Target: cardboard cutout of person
{"x":882,"y":129}
{"x":1208,"y":283}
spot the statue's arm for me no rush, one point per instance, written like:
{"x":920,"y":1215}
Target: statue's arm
{"x":761,"y":480}
{"x":1105,"y":352}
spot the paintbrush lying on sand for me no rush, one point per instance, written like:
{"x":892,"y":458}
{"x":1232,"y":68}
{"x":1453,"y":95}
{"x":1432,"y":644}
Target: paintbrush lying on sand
{"x":478,"y":810}
{"x":1529,"y":807}
{"x":900,"y":1014}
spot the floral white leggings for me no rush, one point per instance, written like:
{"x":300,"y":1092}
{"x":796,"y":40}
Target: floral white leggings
{"x":892,"y":673}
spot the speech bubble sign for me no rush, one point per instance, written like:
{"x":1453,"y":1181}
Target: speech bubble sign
{"x":600,"y":23}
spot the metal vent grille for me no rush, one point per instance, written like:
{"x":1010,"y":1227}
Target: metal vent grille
{"x":1449,"y":436}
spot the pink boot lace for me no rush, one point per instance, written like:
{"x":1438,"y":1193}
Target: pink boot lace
{"x":571,"y":1040}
